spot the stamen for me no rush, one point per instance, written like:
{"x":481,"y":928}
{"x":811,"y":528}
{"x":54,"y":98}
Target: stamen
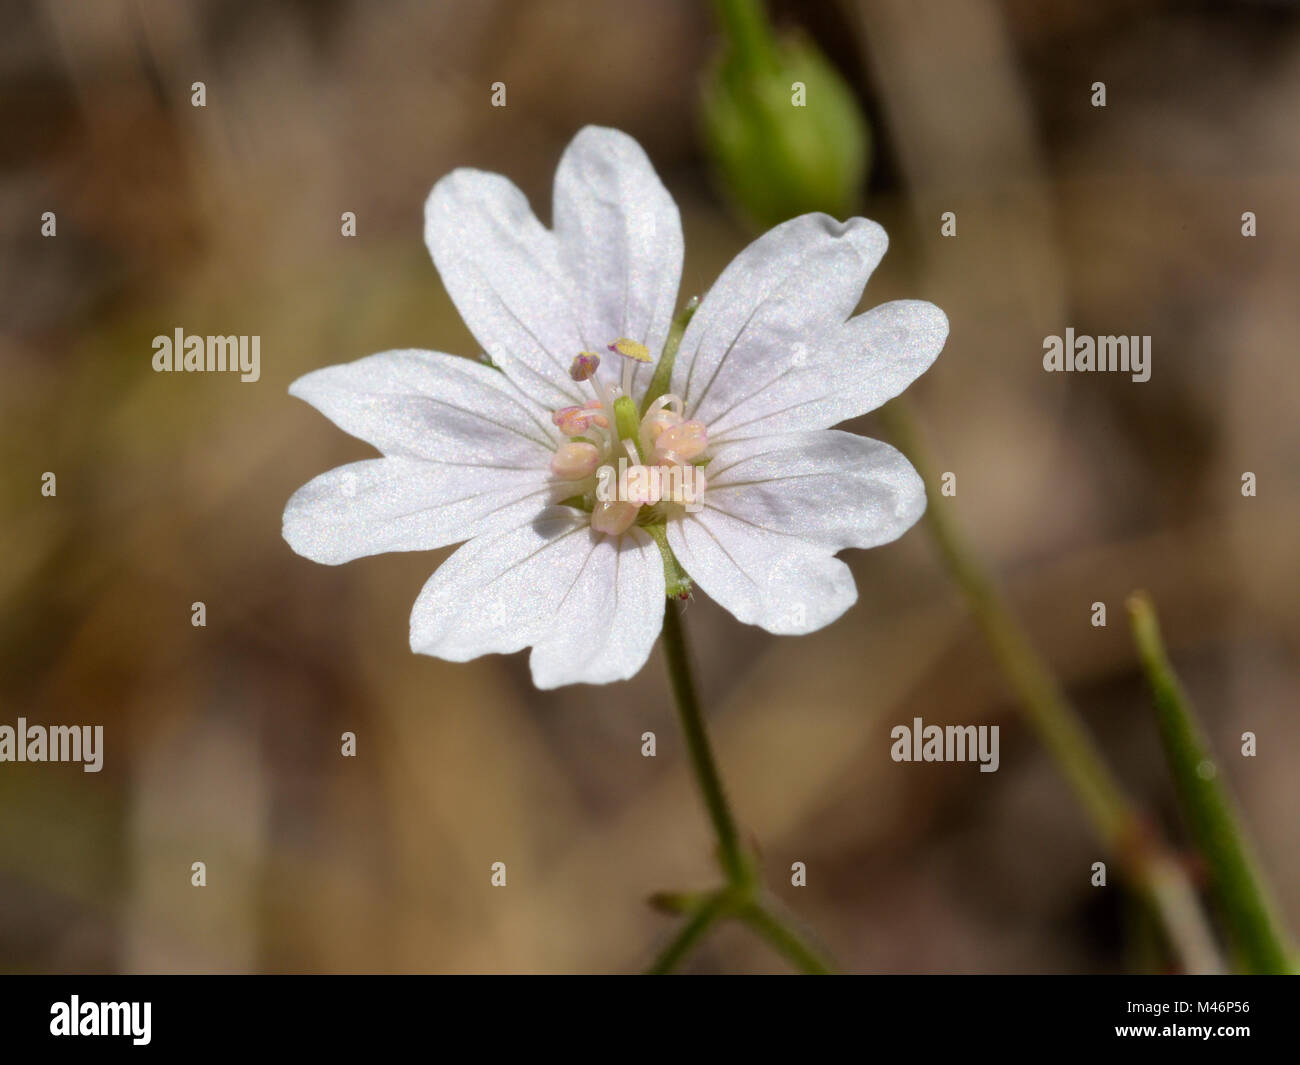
{"x":654,"y":423}
{"x":575,"y":460}
{"x":681,"y":443}
{"x":630,"y":349}
{"x":571,"y":421}
{"x":633,"y":351}
{"x":606,"y":399}
{"x":644,"y":484}
{"x":666,"y":400}
{"x":575,"y":421}
{"x":584,"y":365}
{"x":613,"y":517}
{"x":660,"y":446}
{"x":599,"y":417}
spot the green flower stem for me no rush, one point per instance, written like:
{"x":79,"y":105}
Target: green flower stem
{"x":676,"y":581}
{"x":663,"y":375}
{"x":692,"y":933}
{"x":1155,"y":873}
{"x":739,"y":897}
{"x":1251,"y":915}
{"x":764,"y":920}
{"x":730,"y":853}
{"x":746,"y":27}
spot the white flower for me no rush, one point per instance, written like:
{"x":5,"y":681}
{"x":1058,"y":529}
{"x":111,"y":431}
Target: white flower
{"x":485,"y":454}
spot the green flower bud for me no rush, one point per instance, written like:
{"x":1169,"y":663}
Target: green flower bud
{"x":782,"y":129}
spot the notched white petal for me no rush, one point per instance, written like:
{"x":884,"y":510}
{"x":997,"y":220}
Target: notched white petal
{"x":620,"y":239}
{"x":835,"y":488}
{"x":882,"y":351}
{"x":502,"y":269}
{"x":840,"y":375}
{"x":788,"y":288}
{"x":781,"y":583}
{"x":398,"y":504}
{"x":776,"y":511}
{"x":427,"y":405}
{"x":591,"y":606}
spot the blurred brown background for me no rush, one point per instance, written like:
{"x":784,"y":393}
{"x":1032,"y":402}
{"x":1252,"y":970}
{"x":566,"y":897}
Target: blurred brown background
{"x":222,"y":743}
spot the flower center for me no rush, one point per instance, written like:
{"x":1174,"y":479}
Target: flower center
{"x":628,"y":467}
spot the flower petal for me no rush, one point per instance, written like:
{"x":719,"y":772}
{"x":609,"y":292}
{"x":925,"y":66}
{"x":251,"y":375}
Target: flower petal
{"x":401,"y":504}
{"x":785,"y":584}
{"x":501,"y":268}
{"x":772,"y":348}
{"x":590,"y":606}
{"x":837,"y":489}
{"x":620,"y":240}
{"x":880,"y":352}
{"x":427,"y":405}
{"x":839,"y":375}
{"x":795,"y":283}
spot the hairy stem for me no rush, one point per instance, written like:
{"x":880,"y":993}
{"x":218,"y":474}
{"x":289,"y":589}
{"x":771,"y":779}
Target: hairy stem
{"x":730,"y":854}
{"x":738,"y":898}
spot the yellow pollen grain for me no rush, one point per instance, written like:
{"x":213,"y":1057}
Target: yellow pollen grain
{"x":631,"y":349}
